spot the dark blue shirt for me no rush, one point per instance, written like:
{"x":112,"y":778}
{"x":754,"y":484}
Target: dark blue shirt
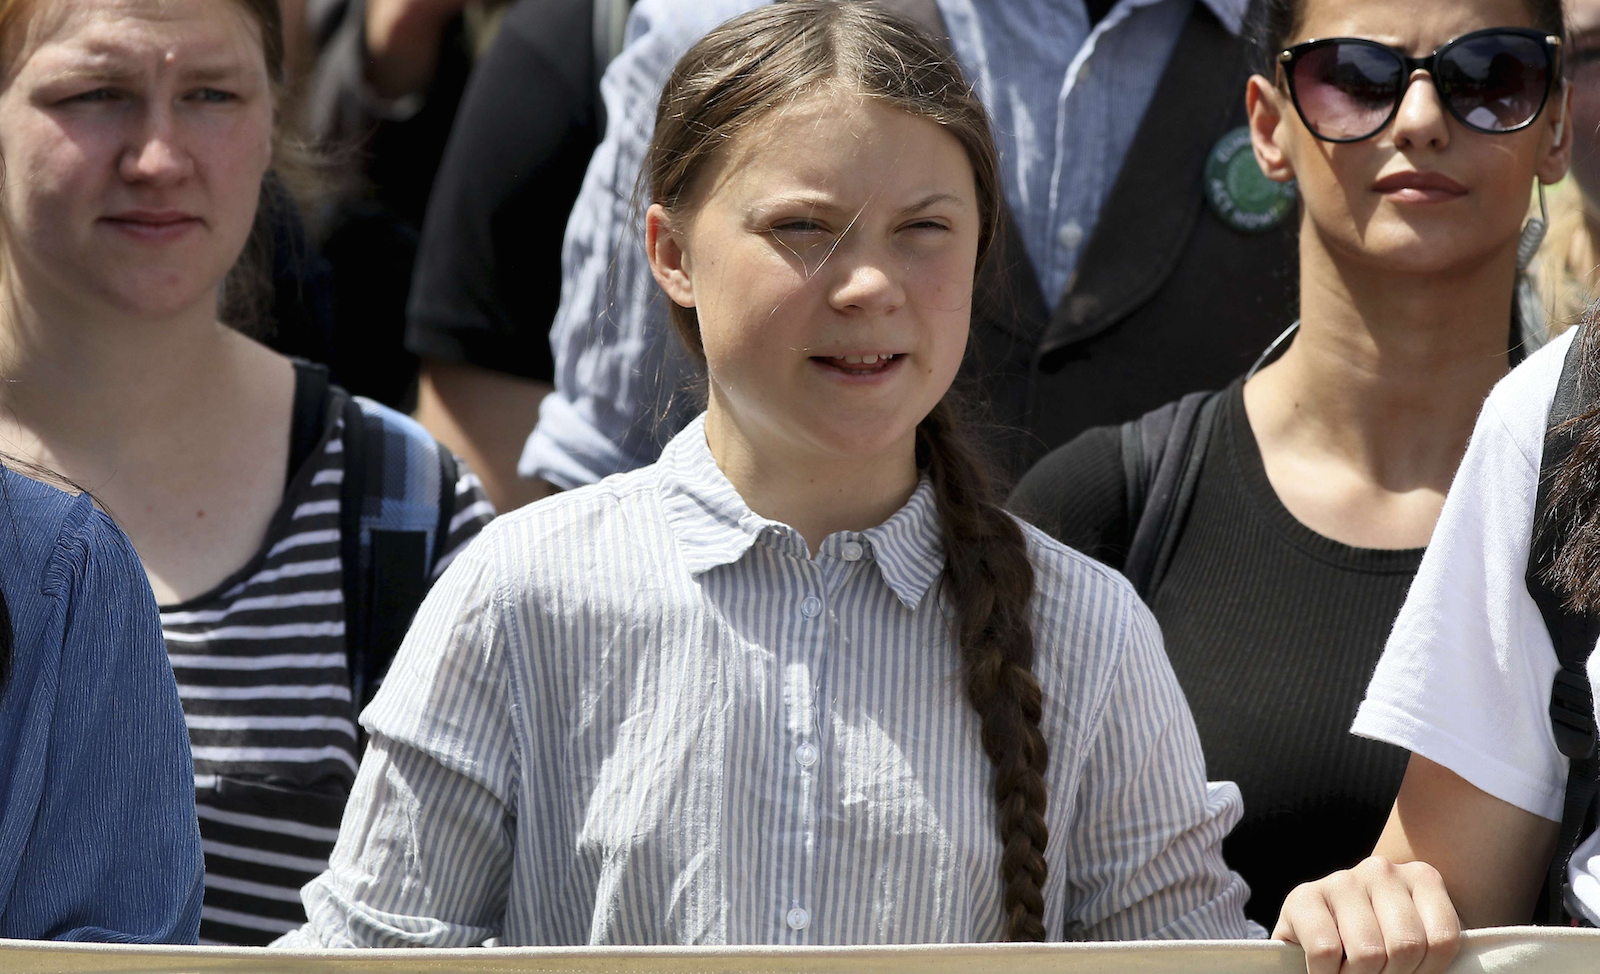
{"x":98,"y":837}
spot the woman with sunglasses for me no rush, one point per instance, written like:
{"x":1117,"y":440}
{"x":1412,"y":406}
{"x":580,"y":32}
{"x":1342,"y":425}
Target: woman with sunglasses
{"x":1414,"y":130}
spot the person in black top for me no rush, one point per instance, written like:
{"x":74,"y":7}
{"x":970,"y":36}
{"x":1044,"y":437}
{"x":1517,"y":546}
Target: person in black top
{"x":488,"y":273}
{"x":481,"y":114}
{"x":381,"y":96}
{"x":1320,"y":477}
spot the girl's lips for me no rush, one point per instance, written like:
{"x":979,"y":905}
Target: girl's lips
{"x":155,"y":227}
{"x":857,"y":368}
{"x":1419,"y":187}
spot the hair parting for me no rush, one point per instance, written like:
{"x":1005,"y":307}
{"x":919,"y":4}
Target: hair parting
{"x":743,"y":73}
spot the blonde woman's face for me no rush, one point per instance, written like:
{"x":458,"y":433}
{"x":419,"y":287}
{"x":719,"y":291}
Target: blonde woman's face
{"x":831,"y":266}
{"x":134,"y":134}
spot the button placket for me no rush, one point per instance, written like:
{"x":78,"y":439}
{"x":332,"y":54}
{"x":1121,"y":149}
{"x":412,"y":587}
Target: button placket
{"x":813,"y":635}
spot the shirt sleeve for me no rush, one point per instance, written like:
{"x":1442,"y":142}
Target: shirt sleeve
{"x":114,"y":854}
{"x":424,"y":852}
{"x":1465,"y":677}
{"x":1146,"y":836}
{"x":488,"y":272}
{"x":623,"y":384}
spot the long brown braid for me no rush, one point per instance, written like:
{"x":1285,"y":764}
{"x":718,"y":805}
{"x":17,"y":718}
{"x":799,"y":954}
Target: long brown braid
{"x":989,"y":580}
{"x":732,"y":79}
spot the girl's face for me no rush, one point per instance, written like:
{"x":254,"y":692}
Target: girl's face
{"x":830,"y":261}
{"x":1426,"y":194}
{"x":134,"y":135}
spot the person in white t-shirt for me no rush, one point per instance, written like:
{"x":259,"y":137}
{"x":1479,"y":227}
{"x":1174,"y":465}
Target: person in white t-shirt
{"x":1464,"y":684}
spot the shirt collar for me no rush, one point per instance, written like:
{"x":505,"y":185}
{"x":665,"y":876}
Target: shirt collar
{"x":714,"y":527}
{"x":1230,"y":12}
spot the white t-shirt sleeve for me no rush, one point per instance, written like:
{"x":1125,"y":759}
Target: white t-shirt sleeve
{"x":1465,"y":678}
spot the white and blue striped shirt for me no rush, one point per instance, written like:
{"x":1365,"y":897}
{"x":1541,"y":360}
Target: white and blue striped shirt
{"x":640,"y":713}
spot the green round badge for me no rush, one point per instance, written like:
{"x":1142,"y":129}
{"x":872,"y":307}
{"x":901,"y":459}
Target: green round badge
{"x":1239,"y":194}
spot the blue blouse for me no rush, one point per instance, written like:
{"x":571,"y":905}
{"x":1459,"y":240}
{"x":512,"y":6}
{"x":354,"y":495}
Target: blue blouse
{"x":98,"y":837}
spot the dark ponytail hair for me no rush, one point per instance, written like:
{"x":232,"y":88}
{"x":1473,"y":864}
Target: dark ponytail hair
{"x":1575,"y":491}
{"x":727,"y":83}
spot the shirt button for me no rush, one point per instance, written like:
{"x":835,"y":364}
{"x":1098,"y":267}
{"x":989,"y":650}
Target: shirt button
{"x":810,"y":607}
{"x":851,"y":551}
{"x":806,"y":755}
{"x":1071,"y":235}
{"x":798,"y":919}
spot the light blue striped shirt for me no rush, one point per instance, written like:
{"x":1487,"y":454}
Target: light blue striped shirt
{"x":1066,"y":100}
{"x":639,"y":713}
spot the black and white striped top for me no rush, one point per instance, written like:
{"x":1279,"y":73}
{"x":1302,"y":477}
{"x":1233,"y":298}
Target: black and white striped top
{"x":261,"y":668}
{"x":641,"y":713}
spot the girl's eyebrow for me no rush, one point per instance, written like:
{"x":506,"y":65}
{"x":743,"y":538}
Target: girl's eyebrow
{"x":825,"y":205}
{"x":813,"y":203}
{"x":112,"y":67}
{"x":933,"y":199}
{"x":221,"y":71}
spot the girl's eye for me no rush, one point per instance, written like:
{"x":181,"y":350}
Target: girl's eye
{"x":927,"y":225}
{"x":797,"y":226}
{"x":215,"y":96}
{"x":92,"y":96}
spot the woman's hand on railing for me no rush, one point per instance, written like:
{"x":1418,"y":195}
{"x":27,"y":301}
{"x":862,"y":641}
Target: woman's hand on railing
{"x":1378,"y":917}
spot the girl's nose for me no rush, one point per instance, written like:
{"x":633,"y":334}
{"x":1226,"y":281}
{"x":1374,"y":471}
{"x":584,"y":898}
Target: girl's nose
{"x":870,"y":285}
{"x":157,"y":154}
{"x":1421,"y":118}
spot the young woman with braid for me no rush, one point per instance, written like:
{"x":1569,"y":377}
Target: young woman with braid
{"x":801,"y":681}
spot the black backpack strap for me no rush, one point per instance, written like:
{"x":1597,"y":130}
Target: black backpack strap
{"x":449,"y":473}
{"x":1573,"y":634}
{"x":352,"y":501}
{"x":398,"y":582}
{"x":310,"y":416}
{"x":1161,"y":455}
{"x":400,"y":576}
{"x":386,"y":578}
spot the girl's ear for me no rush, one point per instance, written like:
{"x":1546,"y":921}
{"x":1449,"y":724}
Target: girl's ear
{"x":1557,"y":146}
{"x":669,"y":257}
{"x":1267,"y":106}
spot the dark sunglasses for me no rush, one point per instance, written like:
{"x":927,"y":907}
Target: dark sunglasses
{"x":1348,"y":88}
